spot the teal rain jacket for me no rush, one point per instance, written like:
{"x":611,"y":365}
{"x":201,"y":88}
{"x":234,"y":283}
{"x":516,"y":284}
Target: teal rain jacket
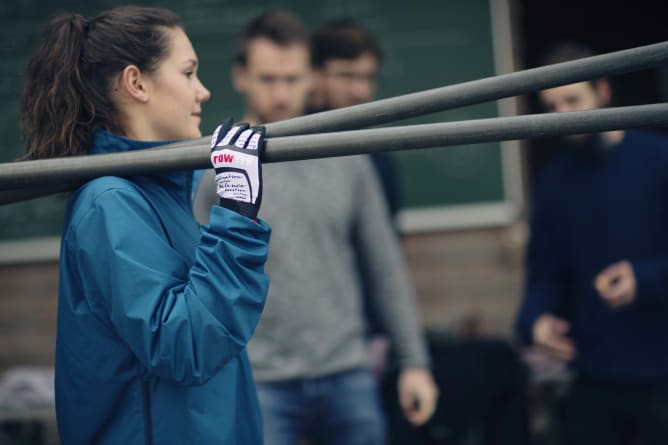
{"x":154,"y":314}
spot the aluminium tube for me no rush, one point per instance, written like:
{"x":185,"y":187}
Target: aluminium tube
{"x":68,"y":172}
{"x":444,"y":98}
{"x":473,"y":92}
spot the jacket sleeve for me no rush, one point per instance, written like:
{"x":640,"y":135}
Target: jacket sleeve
{"x":651,"y":273}
{"x":388,"y":284}
{"x":543,"y":281}
{"x":651,"y":281}
{"x":183,"y":321}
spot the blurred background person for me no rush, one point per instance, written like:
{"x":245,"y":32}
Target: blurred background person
{"x":346,"y":61}
{"x":482,"y":382}
{"x":596,"y":292}
{"x":310,"y":354}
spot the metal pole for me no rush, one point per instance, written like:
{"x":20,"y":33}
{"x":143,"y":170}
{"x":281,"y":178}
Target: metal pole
{"x":68,"y":172}
{"x":447,"y":134}
{"x":440,"y":99}
{"x":469,"y":93}
{"x":473,"y":92}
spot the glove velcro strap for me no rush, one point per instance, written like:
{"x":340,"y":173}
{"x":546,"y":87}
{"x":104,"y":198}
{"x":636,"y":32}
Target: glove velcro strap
{"x":243,"y":208}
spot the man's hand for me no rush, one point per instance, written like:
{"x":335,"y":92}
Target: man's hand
{"x":235,"y":156}
{"x":616,"y":284}
{"x":417,"y":395}
{"x":550,"y":333}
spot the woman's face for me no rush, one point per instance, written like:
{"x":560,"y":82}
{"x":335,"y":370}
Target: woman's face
{"x":176,"y":93}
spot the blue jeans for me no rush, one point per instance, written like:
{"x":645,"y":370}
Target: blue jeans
{"x":338,"y":409}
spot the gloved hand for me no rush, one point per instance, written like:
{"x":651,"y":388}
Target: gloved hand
{"x":235,"y":156}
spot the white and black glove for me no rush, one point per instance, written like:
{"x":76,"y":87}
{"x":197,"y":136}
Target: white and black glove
{"x":235,"y":156}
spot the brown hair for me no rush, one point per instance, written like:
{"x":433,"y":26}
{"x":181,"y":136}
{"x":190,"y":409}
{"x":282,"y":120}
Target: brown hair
{"x":68,"y":79}
{"x":343,"y":39}
{"x":568,"y":51}
{"x":565,"y":52}
{"x":281,"y":27}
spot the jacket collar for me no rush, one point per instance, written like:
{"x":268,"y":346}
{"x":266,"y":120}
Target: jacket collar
{"x":106,"y":142}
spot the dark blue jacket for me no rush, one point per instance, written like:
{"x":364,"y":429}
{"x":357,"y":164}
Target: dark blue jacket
{"x":154,"y":314}
{"x":589,"y":211}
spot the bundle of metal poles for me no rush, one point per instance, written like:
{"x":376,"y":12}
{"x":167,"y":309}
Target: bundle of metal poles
{"x":338,"y":131}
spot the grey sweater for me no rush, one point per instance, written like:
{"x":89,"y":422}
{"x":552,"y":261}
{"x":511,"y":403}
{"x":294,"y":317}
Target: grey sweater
{"x":329,"y":224}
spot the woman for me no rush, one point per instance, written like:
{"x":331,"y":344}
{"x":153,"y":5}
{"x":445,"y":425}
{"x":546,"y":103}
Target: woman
{"x":153,"y":314}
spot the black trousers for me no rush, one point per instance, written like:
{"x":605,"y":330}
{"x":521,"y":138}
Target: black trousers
{"x":482,"y":400}
{"x":603,"y":413}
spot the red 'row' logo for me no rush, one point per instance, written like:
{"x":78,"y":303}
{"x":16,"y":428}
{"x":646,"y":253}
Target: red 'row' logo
{"x":225,"y":157}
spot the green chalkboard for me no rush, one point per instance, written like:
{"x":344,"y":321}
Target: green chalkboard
{"x":427,"y":44}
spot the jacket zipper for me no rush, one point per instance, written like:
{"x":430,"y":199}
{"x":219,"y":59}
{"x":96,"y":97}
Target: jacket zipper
{"x":148,"y":419}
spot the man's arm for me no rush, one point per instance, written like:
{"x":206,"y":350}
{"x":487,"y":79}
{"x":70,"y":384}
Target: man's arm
{"x":390,"y":289}
{"x":543,"y":291}
{"x":382,"y":263}
{"x":643,"y":282}
{"x":651,"y":281}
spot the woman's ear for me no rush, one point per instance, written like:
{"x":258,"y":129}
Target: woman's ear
{"x":134,"y":84}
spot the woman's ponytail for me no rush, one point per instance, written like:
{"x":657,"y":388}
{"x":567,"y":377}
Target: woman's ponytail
{"x":68,"y":80}
{"x":56,"y":114}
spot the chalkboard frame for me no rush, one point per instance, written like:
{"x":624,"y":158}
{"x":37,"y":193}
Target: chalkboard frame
{"x":495,"y":213}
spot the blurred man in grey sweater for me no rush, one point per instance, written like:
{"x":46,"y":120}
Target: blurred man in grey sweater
{"x":309,"y":353}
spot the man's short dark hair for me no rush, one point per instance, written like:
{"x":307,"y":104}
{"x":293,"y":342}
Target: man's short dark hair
{"x":565,"y":52}
{"x":343,"y":39}
{"x":279,"y":26}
